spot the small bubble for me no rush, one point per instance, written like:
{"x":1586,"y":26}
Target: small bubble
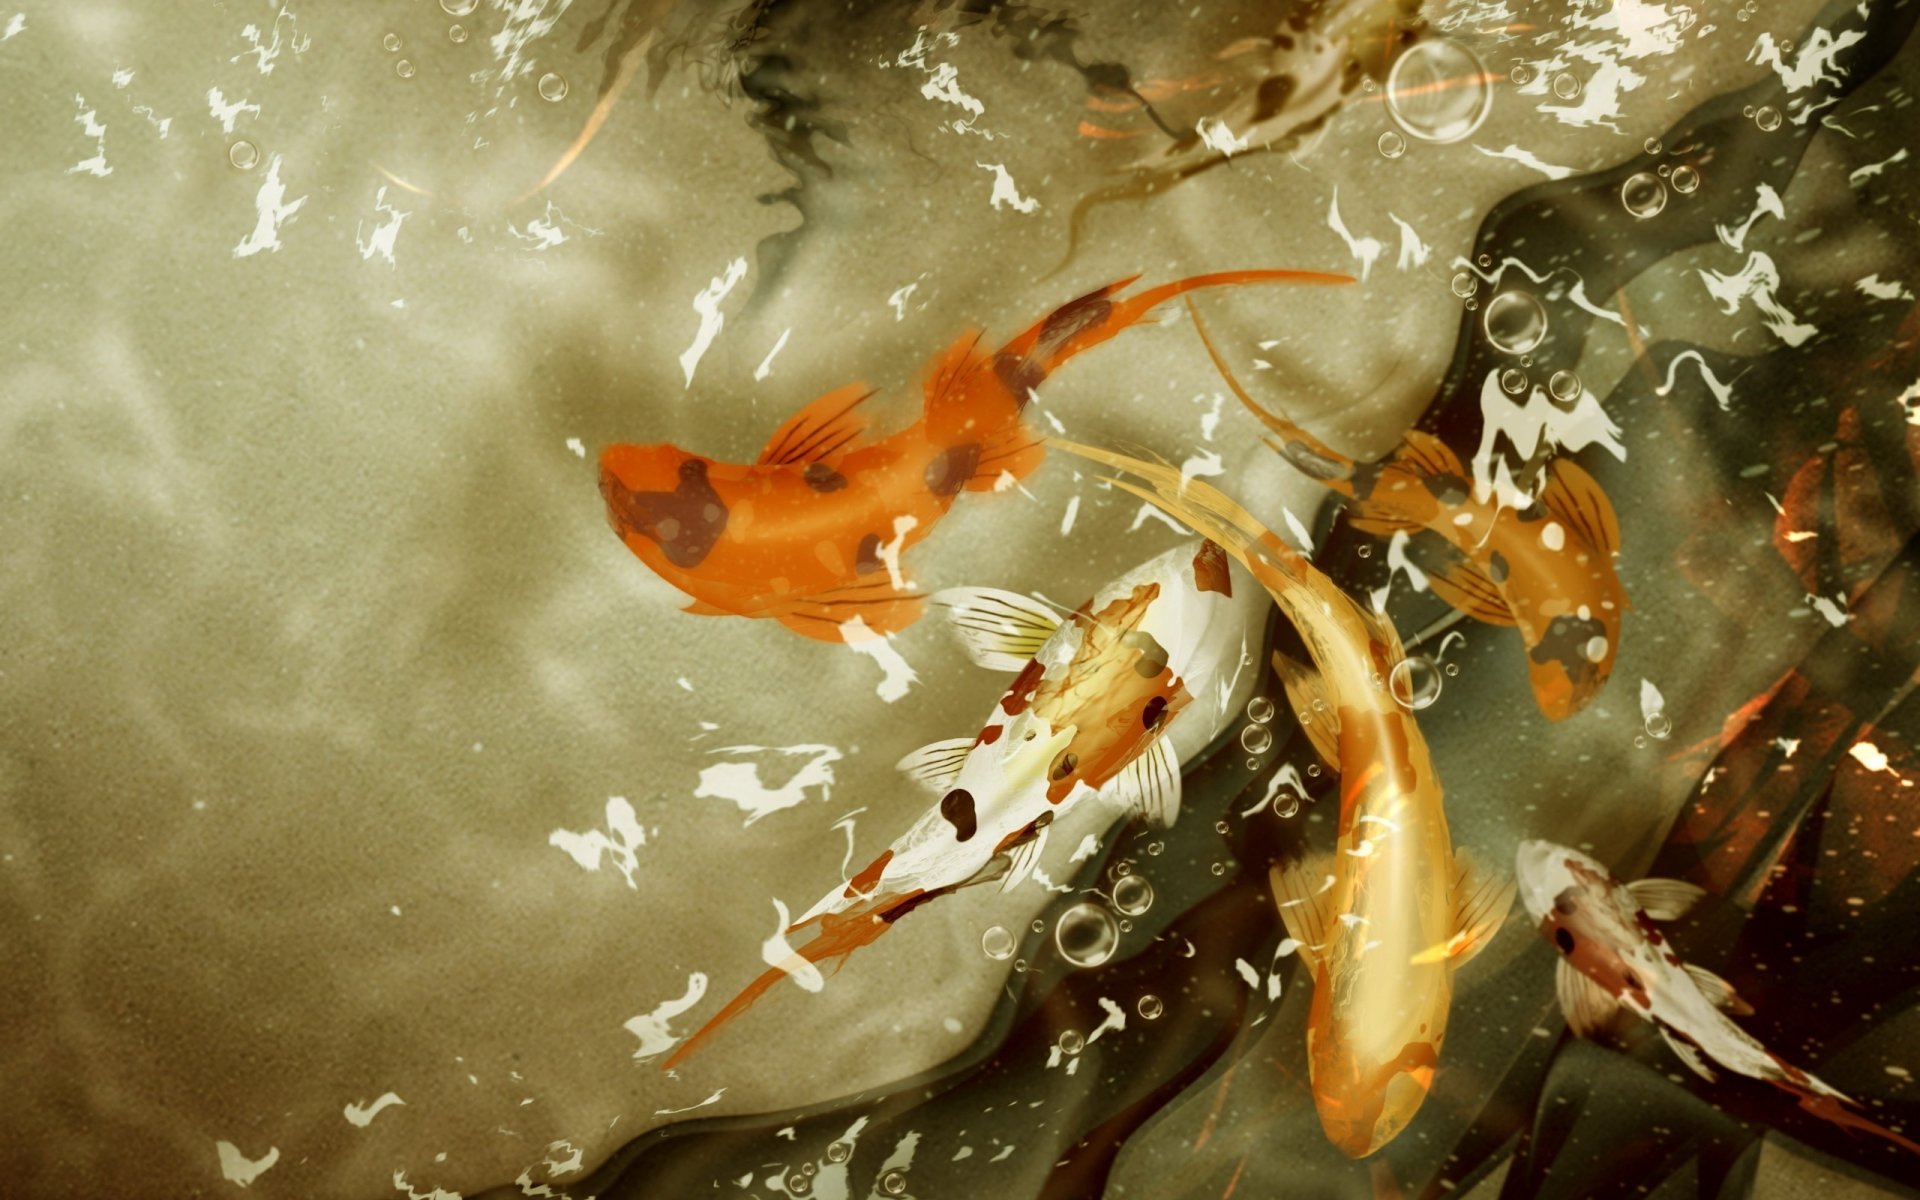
{"x":1259,"y":710}
{"x":894,"y":1183}
{"x":1253,"y":764}
{"x":404,"y":69}
{"x":1513,"y":381}
{"x":1039,"y":926}
{"x":1564,"y":386}
{"x":1658,"y":726}
{"x":1256,"y":739}
{"x":1415,"y":682}
{"x":1643,"y":194}
{"x":1639,"y":742}
{"x":1364,"y":550}
{"x":1020,"y":965}
{"x":1391,"y":144}
{"x":1218,"y":868}
{"x":1072,"y":1043}
{"x":1746,"y":110}
{"x":392,"y":43}
{"x":1452,"y":669}
{"x":456,"y":34}
{"x":1485,"y":260}
{"x":1154,"y":848}
{"x":1767,"y":117}
{"x":1121,"y":869}
{"x":1651,"y":146}
{"x":1319,"y":705}
{"x":1313,"y":770}
{"x":1472,"y":304}
{"x":1126,"y":926}
{"x":1685,"y":180}
{"x":996,"y":942}
{"x":1465,"y":284}
{"x":1220,"y":827}
{"x":1150,"y":1007}
{"x":1526,"y":360}
{"x":1741,"y":14}
{"x":553,"y":86}
{"x":1286,"y":804}
{"x":1086,"y":935}
{"x":1566,"y":85}
{"x":1132,"y":895}
{"x":808,"y":1168}
{"x":839,"y":1152}
{"x":799,"y":1185}
{"x":1663,"y":170}
{"x":458,"y":8}
{"x":243,"y":154}
{"x":1515,"y":322}
{"x":1521,"y":74}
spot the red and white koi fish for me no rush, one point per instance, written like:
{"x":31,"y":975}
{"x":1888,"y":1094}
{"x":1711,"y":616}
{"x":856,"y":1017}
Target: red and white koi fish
{"x":1546,"y":569}
{"x":1613,"y":957}
{"x":1384,"y":922}
{"x":1103,"y":706}
{"x":811,"y":534}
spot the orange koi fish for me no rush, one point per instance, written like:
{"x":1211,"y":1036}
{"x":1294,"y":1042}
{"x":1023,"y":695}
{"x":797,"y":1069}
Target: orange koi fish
{"x":811,"y":534}
{"x":1546,"y":569}
{"x":1387,"y":919}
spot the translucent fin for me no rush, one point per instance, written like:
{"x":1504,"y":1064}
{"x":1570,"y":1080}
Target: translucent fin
{"x":884,"y":609}
{"x":1308,"y":693}
{"x":1001,"y":630}
{"x":936,"y":765}
{"x":1150,"y":784}
{"x":949,"y":366}
{"x":823,"y":428}
{"x":1014,"y":455}
{"x":1464,"y":586}
{"x":1719,"y":991}
{"x":1575,"y":497}
{"x":1481,"y":899}
{"x":1429,"y":455}
{"x":1304,"y":895}
{"x":1665,"y":899}
{"x":1379,"y":522}
{"x":1023,"y":857}
{"x":1687,"y":1053}
{"x":1587,"y":1006}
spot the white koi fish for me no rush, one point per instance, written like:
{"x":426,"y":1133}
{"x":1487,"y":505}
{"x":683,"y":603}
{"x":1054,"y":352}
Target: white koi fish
{"x":1103,"y":706}
{"x":1614,"y":957}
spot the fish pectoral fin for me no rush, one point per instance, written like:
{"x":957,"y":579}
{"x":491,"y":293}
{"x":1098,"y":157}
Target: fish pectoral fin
{"x":1304,"y":894}
{"x":1587,"y":1006}
{"x":1001,"y":630}
{"x":1022,"y":857}
{"x":1719,"y":991}
{"x":1665,"y":899}
{"x":1576,"y":498}
{"x":1149,"y":784}
{"x":700,"y":608}
{"x":828,"y":426}
{"x":936,"y":765}
{"x":1481,"y":899}
{"x":1308,"y":693}
{"x":1429,"y":455}
{"x":1015,"y":453}
{"x":1687,"y":1053}
{"x":883,"y":609}
{"x":1467,"y":588}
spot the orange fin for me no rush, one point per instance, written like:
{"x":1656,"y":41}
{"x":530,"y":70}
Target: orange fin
{"x":951,"y":365}
{"x":1577,"y":499}
{"x":1467,"y":588}
{"x":882,"y":607}
{"x":700,"y":608}
{"x":1379,"y":522}
{"x":1312,"y":704}
{"x":823,"y":428}
{"x":1429,"y":455}
{"x":1013,"y":455}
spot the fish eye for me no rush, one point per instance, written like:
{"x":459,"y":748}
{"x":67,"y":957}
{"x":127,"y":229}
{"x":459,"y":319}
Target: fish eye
{"x":1563,"y":938}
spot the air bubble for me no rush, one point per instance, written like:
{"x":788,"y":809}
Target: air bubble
{"x":1485,"y":260}
{"x":1663,"y":170}
{"x":1150,"y":1007}
{"x":1221,"y":827}
{"x":1218,"y":868}
{"x":1313,"y":770}
{"x":553,"y":86}
{"x":1685,"y":180}
{"x":1253,"y":764}
{"x":1465,"y":284}
{"x":1452,"y":669}
{"x":997,"y":943}
{"x":839,"y":1152}
{"x":1039,"y":926}
{"x":244,"y":154}
{"x":1415,"y":682}
{"x":1639,"y":742}
{"x":808,"y":1168}
{"x":1564,"y":386}
{"x":458,"y":8}
{"x":799,"y":1185}
{"x":1767,"y":117}
{"x":1364,"y":549}
{"x":1438,"y":91}
{"x":404,"y":69}
{"x":1651,"y":146}
{"x":1658,"y":726}
{"x":1126,"y":926}
{"x":392,"y":42}
{"x":1256,"y":739}
{"x":1513,"y":381}
{"x":1259,"y":710}
{"x":1286,"y":804}
{"x":1643,"y":194}
{"x":1086,"y":935}
{"x":1154,"y":848}
{"x":456,"y":34}
{"x":894,"y":1183}
{"x":1392,"y":145}
{"x":1515,"y":322}
{"x":1071,"y":1043}
{"x":1521,"y":74}
{"x":1566,"y":85}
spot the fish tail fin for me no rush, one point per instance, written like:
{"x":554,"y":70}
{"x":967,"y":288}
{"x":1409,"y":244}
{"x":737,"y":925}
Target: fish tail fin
{"x":734,"y":1007}
{"x":1821,"y":1099}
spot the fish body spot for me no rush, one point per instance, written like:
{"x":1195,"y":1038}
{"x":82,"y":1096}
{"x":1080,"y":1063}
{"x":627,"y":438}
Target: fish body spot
{"x":950,"y":469}
{"x":957,"y":807}
{"x":823,"y":478}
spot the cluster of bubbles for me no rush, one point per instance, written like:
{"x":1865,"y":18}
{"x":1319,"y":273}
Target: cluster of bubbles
{"x":1414,"y":682}
{"x":800,"y":1182}
{"x":1767,"y":117}
{"x":1256,"y":739}
{"x":403,"y":67}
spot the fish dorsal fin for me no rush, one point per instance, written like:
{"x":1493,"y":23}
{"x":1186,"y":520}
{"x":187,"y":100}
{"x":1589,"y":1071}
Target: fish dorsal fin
{"x":824,"y":428}
{"x":1002,"y":631}
{"x":1023,"y":857}
{"x":1308,"y":693}
{"x":1587,"y":1006}
{"x":1467,"y":588}
{"x":1149,"y":784}
{"x":1719,"y":991}
{"x":1304,"y":895}
{"x":1481,"y":899}
{"x":1665,"y":899}
{"x":1687,"y":1053}
{"x":1575,"y":497}
{"x":1380,"y":522}
{"x":1428,"y":455}
{"x":936,"y":765}
{"x":948,"y":367}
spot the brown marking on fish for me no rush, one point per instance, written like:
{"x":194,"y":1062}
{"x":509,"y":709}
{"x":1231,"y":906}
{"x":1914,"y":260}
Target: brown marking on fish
{"x":823,"y":478}
{"x":866,"y":559}
{"x":1020,"y":695}
{"x":948,"y":471}
{"x":868,"y":877}
{"x":685,"y":522}
{"x":1210,"y":570}
{"x":989,"y":735}
{"x":957,"y":807}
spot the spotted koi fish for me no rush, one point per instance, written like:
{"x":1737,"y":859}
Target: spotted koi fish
{"x":1546,"y":569}
{"x":811,"y":534}
{"x":1387,"y":918}
{"x":1102,"y":707}
{"x":1614,"y":958}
